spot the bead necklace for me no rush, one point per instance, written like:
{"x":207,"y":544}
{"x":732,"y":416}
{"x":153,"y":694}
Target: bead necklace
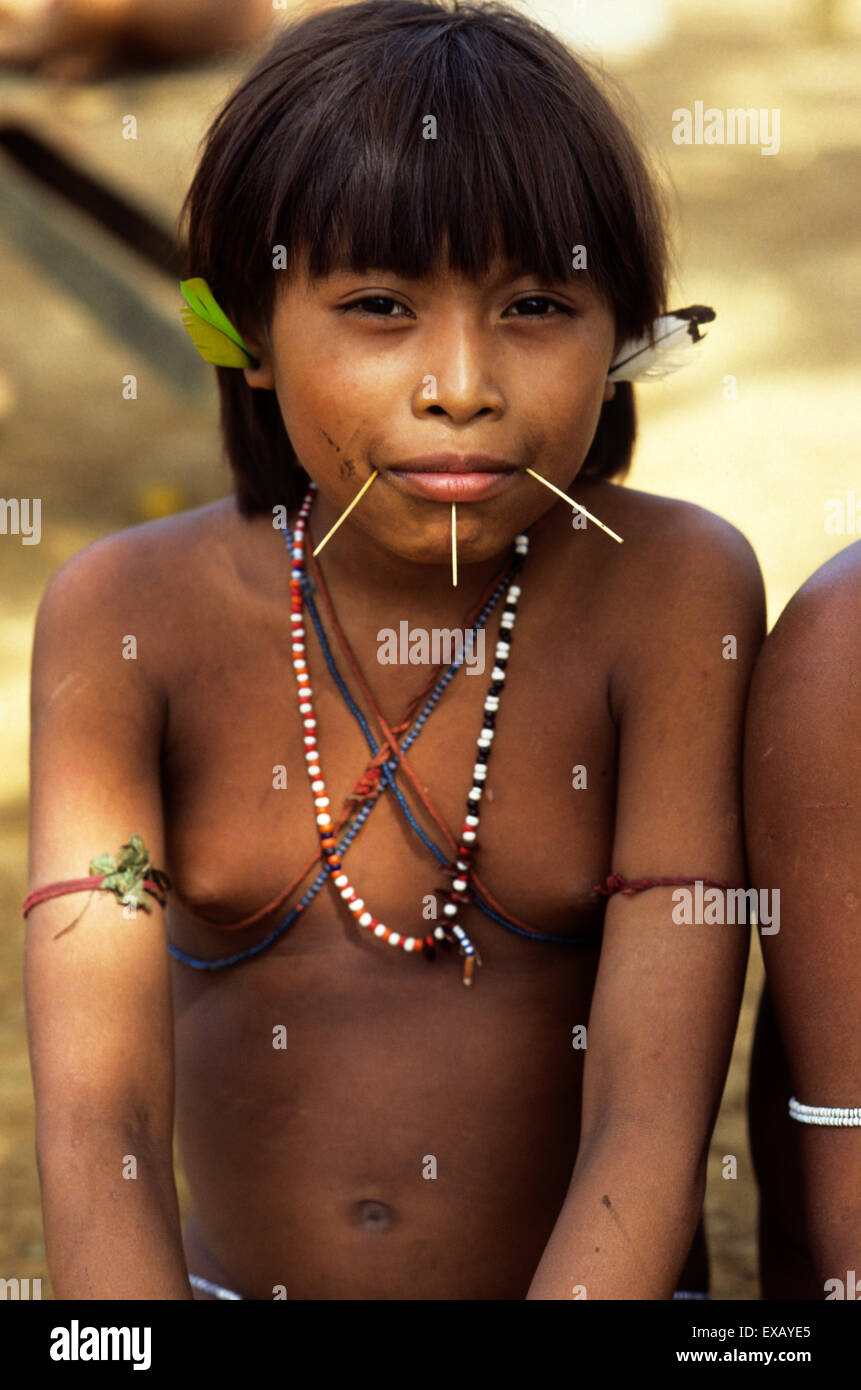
{"x":448,"y":932}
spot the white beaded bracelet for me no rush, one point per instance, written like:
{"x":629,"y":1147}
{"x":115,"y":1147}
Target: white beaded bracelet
{"x":824,"y":1114}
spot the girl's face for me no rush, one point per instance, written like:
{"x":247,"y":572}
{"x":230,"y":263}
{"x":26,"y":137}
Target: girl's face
{"x":377,"y":371}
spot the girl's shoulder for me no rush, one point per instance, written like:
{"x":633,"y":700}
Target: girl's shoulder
{"x":157,"y":562}
{"x":164,"y":582}
{"x":655,"y":520}
{"x":667,"y":598}
{"x":671,"y":547}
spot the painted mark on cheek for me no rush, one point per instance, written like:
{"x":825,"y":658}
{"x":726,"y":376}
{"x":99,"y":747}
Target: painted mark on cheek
{"x":347,"y":468}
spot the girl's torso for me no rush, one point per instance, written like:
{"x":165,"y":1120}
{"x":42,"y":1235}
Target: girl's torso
{"x":353,"y":1122}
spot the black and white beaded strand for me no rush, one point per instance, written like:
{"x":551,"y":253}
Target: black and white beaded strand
{"x":460,"y":891}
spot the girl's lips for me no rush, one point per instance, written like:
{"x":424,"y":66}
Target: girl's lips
{"x":452,"y":487}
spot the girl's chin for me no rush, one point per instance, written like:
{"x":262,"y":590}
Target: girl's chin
{"x":474,"y":549}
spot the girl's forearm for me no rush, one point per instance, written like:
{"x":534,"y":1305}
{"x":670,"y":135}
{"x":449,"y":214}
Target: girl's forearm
{"x":626,"y":1226}
{"x":111,"y":1216}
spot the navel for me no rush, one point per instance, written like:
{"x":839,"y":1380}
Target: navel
{"x":372,"y":1216}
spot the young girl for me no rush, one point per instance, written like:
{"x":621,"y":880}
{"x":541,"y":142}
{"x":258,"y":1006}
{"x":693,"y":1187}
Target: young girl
{"x":431,"y":237}
{"x":802,"y":793}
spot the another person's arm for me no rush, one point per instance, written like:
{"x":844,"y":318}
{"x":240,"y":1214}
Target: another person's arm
{"x":98,"y":996}
{"x":803,"y":823}
{"x":666,"y":999}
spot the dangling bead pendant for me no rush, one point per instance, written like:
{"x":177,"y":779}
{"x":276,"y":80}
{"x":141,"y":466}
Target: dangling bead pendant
{"x":448,"y":932}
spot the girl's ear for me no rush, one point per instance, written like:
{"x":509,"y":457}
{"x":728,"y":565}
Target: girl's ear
{"x":262,"y":375}
{"x":609,"y":390}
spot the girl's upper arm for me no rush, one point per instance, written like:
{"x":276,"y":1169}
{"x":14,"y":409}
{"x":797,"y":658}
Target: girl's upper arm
{"x":666,"y":998}
{"x":803,"y":820}
{"x":98,"y":996}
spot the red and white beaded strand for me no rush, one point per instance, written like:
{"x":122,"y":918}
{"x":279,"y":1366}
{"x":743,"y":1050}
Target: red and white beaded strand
{"x":448,"y":932}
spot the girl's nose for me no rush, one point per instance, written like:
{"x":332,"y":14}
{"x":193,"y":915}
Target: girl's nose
{"x":461,"y":381}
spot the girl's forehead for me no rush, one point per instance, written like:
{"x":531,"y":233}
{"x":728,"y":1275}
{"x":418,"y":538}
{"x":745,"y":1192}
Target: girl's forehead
{"x":500,"y":272}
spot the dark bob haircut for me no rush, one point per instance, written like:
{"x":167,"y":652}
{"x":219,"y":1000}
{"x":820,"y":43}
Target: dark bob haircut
{"x":320,"y":150}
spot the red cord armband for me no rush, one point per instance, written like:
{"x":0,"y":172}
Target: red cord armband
{"x":615,"y":883}
{"x":129,"y":874}
{"x":86,"y":885}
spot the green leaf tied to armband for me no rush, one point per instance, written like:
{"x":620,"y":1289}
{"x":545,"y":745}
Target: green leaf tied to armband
{"x":124,"y":875}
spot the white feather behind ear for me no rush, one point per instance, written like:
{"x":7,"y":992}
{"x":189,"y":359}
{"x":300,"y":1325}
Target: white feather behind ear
{"x":665,"y":350}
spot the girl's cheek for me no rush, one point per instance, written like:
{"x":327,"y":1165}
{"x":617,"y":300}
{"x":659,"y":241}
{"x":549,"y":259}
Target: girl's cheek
{"x":570,"y":406}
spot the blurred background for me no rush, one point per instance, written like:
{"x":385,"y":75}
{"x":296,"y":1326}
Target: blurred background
{"x":107,"y":415}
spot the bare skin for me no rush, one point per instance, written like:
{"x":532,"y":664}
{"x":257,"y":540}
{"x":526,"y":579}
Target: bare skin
{"x":555,"y":1168}
{"x":802,"y":795}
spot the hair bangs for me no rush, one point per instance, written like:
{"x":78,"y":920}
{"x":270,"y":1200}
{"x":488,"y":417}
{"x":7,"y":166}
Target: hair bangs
{"x":458,"y":157}
{"x":415,"y":135}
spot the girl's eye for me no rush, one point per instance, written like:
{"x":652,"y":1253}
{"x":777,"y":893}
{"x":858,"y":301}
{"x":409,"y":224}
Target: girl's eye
{"x":380,"y":304}
{"x":377,"y":300}
{"x":541,"y":299}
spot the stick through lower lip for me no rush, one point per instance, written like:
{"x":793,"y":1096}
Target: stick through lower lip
{"x":346,"y":512}
{"x":572,"y":503}
{"x":454,"y":545}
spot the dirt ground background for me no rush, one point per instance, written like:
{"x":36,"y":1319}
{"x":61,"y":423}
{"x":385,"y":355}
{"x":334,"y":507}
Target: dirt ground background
{"x":769,"y":240}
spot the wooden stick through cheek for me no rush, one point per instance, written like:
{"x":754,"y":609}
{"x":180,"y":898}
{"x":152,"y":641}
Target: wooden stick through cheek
{"x":572,"y":503}
{"x":346,"y":512}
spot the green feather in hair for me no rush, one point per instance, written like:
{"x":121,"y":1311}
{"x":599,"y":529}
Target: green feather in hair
{"x":210,"y":329}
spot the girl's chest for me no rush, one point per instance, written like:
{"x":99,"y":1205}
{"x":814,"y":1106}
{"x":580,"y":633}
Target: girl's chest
{"x":240,"y":807}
